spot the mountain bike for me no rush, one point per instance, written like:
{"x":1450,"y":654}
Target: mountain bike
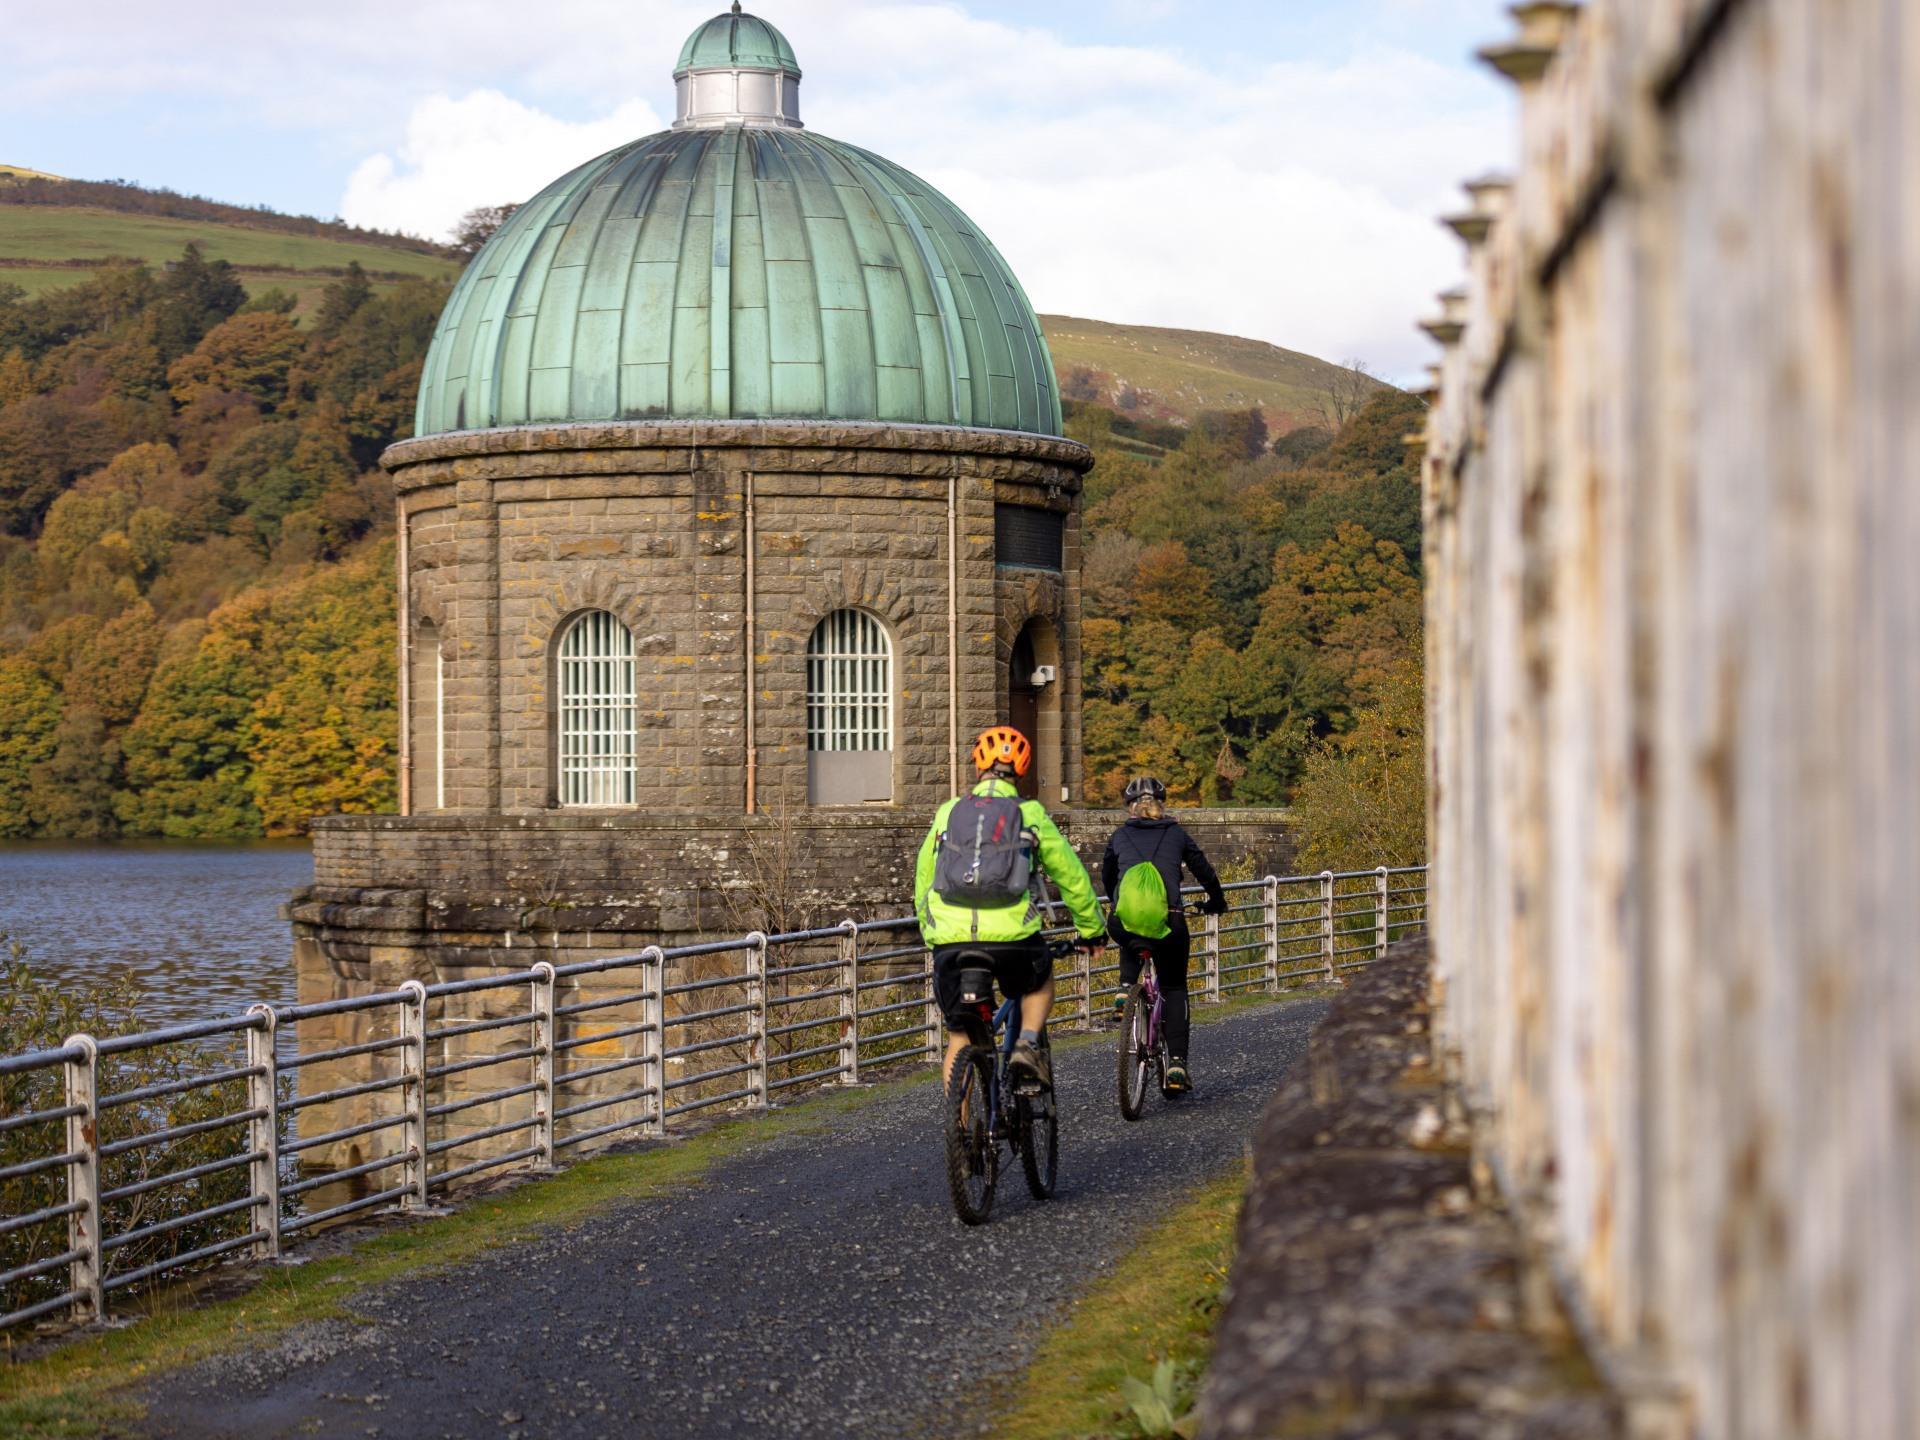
{"x":1143,"y":1040}
{"x":987,"y":1111}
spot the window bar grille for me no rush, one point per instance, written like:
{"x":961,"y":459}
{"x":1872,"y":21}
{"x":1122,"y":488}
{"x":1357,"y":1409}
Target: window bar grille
{"x":597,"y":712}
{"x":849,"y":684}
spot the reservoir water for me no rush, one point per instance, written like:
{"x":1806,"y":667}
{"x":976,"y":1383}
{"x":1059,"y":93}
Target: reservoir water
{"x":196,"y":925}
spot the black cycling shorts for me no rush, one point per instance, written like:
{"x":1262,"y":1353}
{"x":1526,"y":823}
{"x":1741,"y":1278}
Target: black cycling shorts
{"x":1019,"y":967}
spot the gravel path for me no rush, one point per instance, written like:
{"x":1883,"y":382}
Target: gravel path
{"x":812,"y":1286}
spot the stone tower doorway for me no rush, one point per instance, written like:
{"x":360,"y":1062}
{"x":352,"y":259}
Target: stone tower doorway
{"x":1033,"y":706}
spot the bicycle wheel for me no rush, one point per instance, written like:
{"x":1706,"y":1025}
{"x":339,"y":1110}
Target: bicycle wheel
{"x":1135,"y":1058}
{"x":973,"y":1156}
{"x":1039,"y":1144}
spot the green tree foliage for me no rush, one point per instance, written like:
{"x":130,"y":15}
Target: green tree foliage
{"x":29,"y":716}
{"x":191,"y":298}
{"x":164,"y":446}
{"x":72,"y":794}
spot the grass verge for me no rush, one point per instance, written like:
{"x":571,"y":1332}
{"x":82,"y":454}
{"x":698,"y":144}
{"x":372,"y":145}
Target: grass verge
{"x":79,"y":1388}
{"x":1156,"y":1309}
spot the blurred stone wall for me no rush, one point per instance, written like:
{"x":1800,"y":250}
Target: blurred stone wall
{"x":1674,"y":670}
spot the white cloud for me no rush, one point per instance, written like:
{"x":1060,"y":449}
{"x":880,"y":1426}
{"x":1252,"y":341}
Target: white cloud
{"x":482,"y":149}
{"x":1291,"y":199}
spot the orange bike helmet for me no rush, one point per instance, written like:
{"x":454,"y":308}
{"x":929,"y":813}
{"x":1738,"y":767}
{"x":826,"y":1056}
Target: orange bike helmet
{"x":1002,"y":745}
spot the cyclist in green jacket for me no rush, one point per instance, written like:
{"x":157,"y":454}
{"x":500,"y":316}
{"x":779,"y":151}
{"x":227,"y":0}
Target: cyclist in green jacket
{"x":1007,"y":934}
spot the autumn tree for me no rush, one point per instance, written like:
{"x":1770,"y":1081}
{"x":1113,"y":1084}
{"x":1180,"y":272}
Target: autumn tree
{"x":477,"y":226}
{"x":249,"y":355}
{"x":1352,"y":606}
{"x":110,"y":669}
{"x":1362,"y":800}
{"x":1343,"y":392}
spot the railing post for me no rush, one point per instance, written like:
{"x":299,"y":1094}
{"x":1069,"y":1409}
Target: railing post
{"x":1380,"y":912}
{"x":653,"y":1040}
{"x":850,"y":1002}
{"x":933,"y":1020}
{"x":83,"y":1180}
{"x":544,"y":984}
{"x":1271,"y":896}
{"x":757,"y":1019}
{"x":263,"y":1131}
{"x":413,"y":1093}
{"x":1213,"y":958}
{"x":1085,"y":960}
{"x":1326,"y":922}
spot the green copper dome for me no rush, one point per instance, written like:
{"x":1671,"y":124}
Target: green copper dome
{"x":737,"y":41}
{"x":744,"y":272}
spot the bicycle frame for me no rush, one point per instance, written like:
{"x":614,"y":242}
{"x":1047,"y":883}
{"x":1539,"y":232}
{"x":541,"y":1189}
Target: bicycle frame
{"x":1149,"y":983}
{"x":1002,"y":1034}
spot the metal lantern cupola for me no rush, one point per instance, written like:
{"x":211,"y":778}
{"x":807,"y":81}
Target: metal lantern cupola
{"x":737,"y":70}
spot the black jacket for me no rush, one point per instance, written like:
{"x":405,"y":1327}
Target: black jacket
{"x":1166,"y":844}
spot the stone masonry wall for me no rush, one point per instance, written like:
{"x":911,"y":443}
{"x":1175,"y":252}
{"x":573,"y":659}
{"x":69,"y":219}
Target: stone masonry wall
{"x":512,"y":533}
{"x":448,"y":898}
{"x":638,"y":879}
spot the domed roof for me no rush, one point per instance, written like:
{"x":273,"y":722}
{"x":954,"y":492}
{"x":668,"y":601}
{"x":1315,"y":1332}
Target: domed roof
{"x":736,"y":41}
{"x":739,"y":272}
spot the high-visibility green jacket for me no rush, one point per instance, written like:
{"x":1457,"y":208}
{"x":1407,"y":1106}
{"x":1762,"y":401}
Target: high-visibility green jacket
{"x":944,"y":923}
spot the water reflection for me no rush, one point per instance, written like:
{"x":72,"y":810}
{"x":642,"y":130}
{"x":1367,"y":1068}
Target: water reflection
{"x":197,"y":925}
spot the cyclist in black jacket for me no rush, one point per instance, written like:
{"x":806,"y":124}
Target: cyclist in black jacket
{"x":1150,"y":836}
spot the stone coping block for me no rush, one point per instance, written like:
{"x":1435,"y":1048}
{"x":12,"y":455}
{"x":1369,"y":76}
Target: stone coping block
{"x":874,"y":819}
{"x":1373,"y":1293}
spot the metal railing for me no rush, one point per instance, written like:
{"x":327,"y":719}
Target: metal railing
{"x":450,"y":1081}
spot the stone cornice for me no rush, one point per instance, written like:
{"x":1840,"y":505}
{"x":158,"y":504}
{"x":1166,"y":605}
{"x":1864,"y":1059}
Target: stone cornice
{"x":698,"y":435}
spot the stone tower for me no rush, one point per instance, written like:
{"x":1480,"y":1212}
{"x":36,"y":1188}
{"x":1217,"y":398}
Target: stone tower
{"x":738,"y":503}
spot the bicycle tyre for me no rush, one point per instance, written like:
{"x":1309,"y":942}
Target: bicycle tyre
{"x":1134,"y":1059}
{"x":973,"y":1155}
{"x":1040,"y":1145}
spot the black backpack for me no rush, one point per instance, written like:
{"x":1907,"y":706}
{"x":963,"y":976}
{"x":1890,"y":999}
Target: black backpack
{"x":984,"y":861}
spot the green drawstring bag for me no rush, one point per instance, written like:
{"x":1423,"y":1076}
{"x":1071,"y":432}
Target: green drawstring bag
{"x":1141,"y":902}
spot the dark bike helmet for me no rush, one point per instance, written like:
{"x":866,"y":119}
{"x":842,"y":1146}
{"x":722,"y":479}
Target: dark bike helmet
{"x":1145,"y":787}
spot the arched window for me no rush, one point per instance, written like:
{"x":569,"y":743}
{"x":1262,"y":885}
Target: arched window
{"x":849,"y":711}
{"x":596,"y":712}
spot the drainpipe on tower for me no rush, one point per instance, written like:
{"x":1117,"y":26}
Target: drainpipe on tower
{"x":753,"y":749}
{"x":953,"y":633}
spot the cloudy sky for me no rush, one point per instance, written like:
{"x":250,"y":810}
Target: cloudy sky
{"x":1263,"y":167}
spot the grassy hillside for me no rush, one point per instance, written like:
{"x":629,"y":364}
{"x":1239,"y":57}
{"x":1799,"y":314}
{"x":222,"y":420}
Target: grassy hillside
{"x":1138,"y":370}
{"x":45,"y":247}
{"x":1175,"y":374}
{"x":20,"y":172}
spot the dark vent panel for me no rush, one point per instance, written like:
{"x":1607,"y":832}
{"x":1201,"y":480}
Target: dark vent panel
{"x":1029,"y":536}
